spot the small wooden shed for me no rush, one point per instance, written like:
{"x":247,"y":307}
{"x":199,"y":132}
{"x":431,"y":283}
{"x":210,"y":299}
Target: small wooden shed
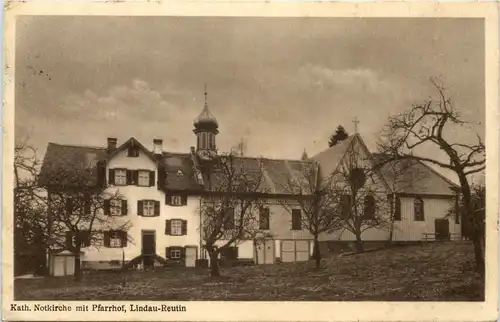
{"x":62,"y":263}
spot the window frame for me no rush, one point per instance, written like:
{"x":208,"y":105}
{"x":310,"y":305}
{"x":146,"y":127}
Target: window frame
{"x":116,"y":170}
{"x":180,"y":223}
{"x":148,"y":173}
{"x":174,"y":198}
{"x":175,"y":251}
{"x":418,"y":209}
{"x":144,"y":208}
{"x":294,"y":221}
{"x":264,"y":212}
{"x":369,"y":205}
{"x":397,"y":209}
{"x":133,"y":151}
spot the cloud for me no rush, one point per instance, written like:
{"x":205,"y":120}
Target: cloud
{"x":134,"y":100}
{"x":365,"y":79}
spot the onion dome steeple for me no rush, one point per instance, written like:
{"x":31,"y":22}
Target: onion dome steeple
{"x":206,"y":121}
{"x":206,"y":128}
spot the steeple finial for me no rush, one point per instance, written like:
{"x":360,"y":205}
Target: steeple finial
{"x":206,"y":94}
{"x":355,"y":121}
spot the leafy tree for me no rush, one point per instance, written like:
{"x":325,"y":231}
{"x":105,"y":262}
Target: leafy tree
{"x":339,"y":135}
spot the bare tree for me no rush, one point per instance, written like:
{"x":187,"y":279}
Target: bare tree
{"x":431,"y":124}
{"x":86,"y":218}
{"x":400,"y":175}
{"x":82,"y":210}
{"x":30,"y":215}
{"x":229,"y":212}
{"x":318,"y":200}
{"x":363,"y":202}
{"x":240,"y":148}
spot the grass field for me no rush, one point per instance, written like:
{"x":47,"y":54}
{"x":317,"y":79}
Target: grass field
{"x":433,"y":272}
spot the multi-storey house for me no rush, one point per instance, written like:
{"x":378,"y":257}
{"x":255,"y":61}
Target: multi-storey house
{"x":161,"y":195}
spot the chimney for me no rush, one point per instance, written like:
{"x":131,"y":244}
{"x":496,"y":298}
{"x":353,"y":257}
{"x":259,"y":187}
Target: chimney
{"x":157,"y":146}
{"x":112,"y":142}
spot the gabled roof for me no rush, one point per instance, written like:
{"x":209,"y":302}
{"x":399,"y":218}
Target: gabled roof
{"x":132,"y":142}
{"x":70,"y":165}
{"x":275,"y":176}
{"x":330,"y":159}
{"x":414,"y":177}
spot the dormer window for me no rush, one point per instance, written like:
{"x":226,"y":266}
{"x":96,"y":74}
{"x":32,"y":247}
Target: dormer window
{"x":133,"y":151}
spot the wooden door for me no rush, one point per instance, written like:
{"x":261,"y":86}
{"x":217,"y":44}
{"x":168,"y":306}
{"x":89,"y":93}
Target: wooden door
{"x":191,"y":253}
{"x":148,"y":242}
{"x":442,"y":229}
{"x":269,"y":251}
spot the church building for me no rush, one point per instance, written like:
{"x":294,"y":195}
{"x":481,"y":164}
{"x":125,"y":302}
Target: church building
{"x":161,"y":195}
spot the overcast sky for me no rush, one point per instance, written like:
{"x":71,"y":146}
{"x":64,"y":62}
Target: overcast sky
{"x":283,"y":84}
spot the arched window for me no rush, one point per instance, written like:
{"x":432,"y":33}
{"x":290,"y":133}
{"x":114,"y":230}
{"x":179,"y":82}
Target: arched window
{"x":418,"y":205}
{"x":346,"y":205}
{"x":369,"y":209}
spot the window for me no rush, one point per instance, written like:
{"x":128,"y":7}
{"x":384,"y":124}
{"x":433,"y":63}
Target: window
{"x":143,"y":178}
{"x":264,"y":218}
{"x":176,"y":200}
{"x":115,"y":239}
{"x":397,"y":211}
{"x":115,"y":207}
{"x":176,"y":227}
{"x":419,"y":209}
{"x":148,"y":208}
{"x":175,"y":254}
{"x":133,"y":151}
{"x":346,"y":205}
{"x":72,"y":238}
{"x":203,"y":140}
{"x":296,"y":219}
{"x":120,"y":177}
{"x":229,"y":220}
{"x":369,"y":207}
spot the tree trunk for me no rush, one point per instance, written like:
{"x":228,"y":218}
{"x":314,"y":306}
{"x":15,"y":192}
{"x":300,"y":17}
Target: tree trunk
{"x":78,"y":271}
{"x":256,"y":252}
{"x":214,"y":264}
{"x":476,"y":231}
{"x":392,"y":210}
{"x":317,"y":252}
{"x":359,"y":243}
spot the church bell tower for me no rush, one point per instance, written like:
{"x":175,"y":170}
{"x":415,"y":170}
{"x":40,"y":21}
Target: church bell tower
{"x":205,"y":128}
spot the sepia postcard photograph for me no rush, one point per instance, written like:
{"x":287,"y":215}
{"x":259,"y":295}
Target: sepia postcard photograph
{"x":263,"y":162}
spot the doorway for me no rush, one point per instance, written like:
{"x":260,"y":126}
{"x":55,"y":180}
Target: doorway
{"x":442,"y":229}
{"x":148,"y":239}
{"x":265,"y":252}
